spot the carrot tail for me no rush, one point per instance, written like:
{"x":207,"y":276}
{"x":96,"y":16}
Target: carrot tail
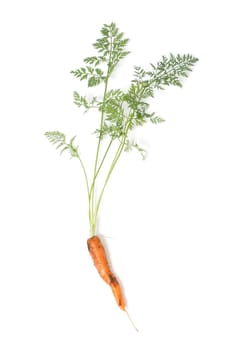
{"x":117,"y":292}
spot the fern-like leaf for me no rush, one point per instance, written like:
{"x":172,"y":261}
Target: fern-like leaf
{"x":80,"y":100}
{"x":59,"y":139}
{"x":130,"y":145}
{"x":95,"y":60}
{"x":114,"y":114}
{"x":170,"y":70}
{"x":156,"y":120}
{"x":94,"y":76}
{"x":112,"y":45}
{"x":56,"y":137}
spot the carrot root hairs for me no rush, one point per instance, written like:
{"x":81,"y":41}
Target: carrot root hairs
{"x":127,"y":313}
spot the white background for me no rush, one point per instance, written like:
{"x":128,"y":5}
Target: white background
{"x":169,"y":218}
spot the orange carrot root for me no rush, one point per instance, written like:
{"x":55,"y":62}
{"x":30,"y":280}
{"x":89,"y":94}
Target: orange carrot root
{"x":97,"y":252}
{"x":98,"y":255}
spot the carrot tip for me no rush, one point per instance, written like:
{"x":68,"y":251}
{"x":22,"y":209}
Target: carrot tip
{"x":127,"y":313}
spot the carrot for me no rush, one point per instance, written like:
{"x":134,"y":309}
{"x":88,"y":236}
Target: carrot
{"x":97,"y":252}
{"x":98,"y":255}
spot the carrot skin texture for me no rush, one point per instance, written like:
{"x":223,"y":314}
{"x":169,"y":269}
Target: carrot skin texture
{"x":98,"y":255}
{"x":118,"y":294}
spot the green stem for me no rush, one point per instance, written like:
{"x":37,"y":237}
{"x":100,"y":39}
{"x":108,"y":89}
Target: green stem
{"x":117,"y":156}
{"x":85,"y":174}
{"x":92,"y":190}
{"x":92,"y":224}
{"x":101,"y":163}
{"x":87,"y":186}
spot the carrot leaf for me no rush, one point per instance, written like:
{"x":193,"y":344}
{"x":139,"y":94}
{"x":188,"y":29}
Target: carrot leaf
{"x":59,"y":139}
{"x":120,"y":111}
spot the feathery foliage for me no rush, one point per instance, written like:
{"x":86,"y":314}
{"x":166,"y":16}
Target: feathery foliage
{"x":120,"y":111}
{"x":59,"y":139}
{"x":81,"y":101}
{"x":130,"y":145}
{"x":111,"y":49}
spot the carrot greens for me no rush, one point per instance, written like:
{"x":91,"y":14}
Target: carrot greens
{"x":120,"y":111}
